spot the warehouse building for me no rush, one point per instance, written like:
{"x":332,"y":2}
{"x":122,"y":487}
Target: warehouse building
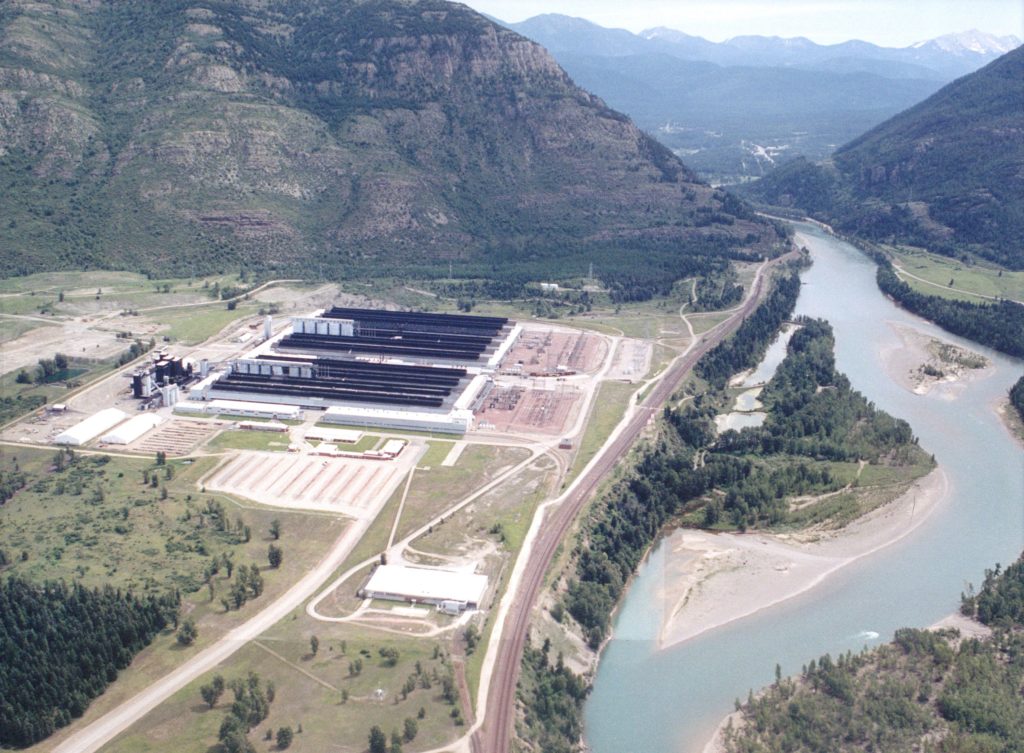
{"x":241,"y":408}
{"x":132,"y":429}
{"x":92,"y":427}
{"x":423,"y":585}
{"x":418,"y":337}
{"x":452,"y":422}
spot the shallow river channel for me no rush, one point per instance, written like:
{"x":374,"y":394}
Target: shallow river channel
{"x":670,"y":701}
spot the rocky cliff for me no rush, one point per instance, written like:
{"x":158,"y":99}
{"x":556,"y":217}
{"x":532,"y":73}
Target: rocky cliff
{"x":370,"y":136}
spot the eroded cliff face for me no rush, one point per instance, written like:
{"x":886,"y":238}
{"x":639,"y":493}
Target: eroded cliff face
{"x":166,"y":135}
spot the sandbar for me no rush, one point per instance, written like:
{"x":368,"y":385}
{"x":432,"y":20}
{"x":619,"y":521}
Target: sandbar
{"x":905,"y":364}
{"x":712,"y":579}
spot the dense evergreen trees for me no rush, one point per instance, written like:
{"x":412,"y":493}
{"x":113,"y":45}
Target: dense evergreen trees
{"x":925,"y":691}
{"x":744,"y":349}
{"x":1001,"y":600}
{"x":553,"y":695}
{"x":814,"y":415}
{"x":1017,"y":397}
{"x":61,"y":646}
{"x":999,"y":325}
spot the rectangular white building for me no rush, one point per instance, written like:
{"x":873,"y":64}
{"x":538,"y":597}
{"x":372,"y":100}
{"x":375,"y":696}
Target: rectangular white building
{"x":452,"y":422}
{"x":92,"y":427}
{"x":132,"y":429}
{"x":425,"y":585}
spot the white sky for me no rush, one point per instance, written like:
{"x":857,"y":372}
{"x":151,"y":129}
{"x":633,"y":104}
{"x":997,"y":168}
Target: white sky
{"x":890,"y":23}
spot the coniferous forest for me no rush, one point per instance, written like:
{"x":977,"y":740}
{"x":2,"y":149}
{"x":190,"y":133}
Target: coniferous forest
{"x":1017,"y":397}
{"x":813,"y":415}
{"x":999,"y":325}
{"x":925,"y":691}
{"x":61,"y":646}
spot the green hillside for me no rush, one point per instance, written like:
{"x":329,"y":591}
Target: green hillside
{"x":947,"y":174}
{"x":319,"y":138}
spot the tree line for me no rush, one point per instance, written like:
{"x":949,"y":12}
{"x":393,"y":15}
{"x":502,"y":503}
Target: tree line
{"x":814,"y":417}
{"x":998,"y":325}
{"x":1017,"y":397}
{"x":925,"y":691}
{"x":62,"y":646}
{"x":744,"y":349}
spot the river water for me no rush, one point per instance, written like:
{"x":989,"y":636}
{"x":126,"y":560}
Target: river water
{"x":670,"y":701}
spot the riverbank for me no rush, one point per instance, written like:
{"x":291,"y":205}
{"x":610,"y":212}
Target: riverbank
{"x":711,"y":580}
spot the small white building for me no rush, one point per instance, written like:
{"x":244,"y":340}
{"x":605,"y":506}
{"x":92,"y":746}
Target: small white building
{"x":426,"y":585}
{"x":132,"y":429}
{"x":92,"y":427}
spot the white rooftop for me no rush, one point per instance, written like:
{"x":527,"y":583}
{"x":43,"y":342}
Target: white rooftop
{"x":227,"y":406}
{"x":91,"y":427}
{"x":427,"y":584}
{"x":349,"y":436}
{"x":132,"y":429}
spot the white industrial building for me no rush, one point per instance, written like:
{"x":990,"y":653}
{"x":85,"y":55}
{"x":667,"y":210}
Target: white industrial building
{"x":323,"y":434}
{"x":452,"y":422}
{"x":245,"y":409}
{"x":132,"y":429}
{"x":423,"y":585}
{"x":92,"y":427}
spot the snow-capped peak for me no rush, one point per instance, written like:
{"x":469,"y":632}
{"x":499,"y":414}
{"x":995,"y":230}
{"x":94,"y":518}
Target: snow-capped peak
{"x":973,"y":41}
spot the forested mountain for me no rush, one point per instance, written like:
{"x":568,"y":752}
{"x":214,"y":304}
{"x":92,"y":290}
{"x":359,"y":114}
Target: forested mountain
{"x":311,"y":136}
{"x":947,"y":173}
{"x":740,"y":108}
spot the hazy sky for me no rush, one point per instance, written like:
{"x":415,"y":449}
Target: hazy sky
{"x":892,"y":23}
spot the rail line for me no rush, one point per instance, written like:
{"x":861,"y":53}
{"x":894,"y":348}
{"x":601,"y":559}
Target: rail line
{"x":494,"y":734}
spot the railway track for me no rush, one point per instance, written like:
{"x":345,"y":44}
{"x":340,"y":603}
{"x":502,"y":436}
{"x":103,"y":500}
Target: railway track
{"x":495,"y":734}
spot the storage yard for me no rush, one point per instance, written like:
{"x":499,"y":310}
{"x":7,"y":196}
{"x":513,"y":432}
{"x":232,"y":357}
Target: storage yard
{"x":519,"y":409}
{"x":354,"y":486}
{"x":550,"y":352}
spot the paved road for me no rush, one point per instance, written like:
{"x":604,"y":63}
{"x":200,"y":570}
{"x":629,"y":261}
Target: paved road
{"x":494,"y":736}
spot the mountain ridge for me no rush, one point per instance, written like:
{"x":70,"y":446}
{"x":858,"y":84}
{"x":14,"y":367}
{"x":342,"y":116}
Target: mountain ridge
{"x":375,"y":137}
{"x":947,"y":173}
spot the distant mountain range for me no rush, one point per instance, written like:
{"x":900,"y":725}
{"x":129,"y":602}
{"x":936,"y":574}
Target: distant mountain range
{"x":737,"y":109}
{"x":377,"y":137}
{"x":947,"y":173}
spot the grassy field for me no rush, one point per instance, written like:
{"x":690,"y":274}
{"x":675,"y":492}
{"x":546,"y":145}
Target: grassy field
{"x":436,"y":452}
{"x":611,"y":402}
{"x":433,"y":491}
{"x":939,"y":270}
{"x":197,"y":324}
{"x":250,"y":440}
{"x":133,"y":537}
{"x":309,"y":693}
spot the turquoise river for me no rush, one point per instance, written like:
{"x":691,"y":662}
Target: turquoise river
{"x":670,"y":701}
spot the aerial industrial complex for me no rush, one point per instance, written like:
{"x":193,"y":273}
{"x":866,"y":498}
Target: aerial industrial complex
{"x":364,"y":367}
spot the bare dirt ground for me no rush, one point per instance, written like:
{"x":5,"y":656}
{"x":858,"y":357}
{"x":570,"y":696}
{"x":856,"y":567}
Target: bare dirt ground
{"x":923,"y":364}
{"x":712,"y":579}
{"x":75,"y":339}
